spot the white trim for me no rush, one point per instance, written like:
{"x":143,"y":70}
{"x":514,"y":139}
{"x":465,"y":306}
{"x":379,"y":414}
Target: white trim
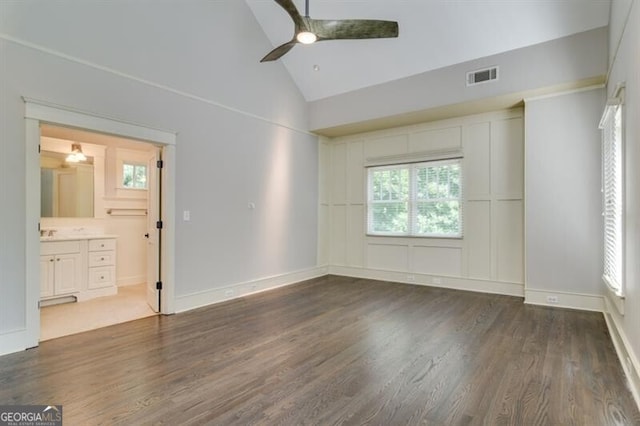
{"x":131,"y":280}
{"x":35,"y":112}
{"x":624,"y":350}
{"x":414,"y":157}
{"x":441,"y":281}
{"x":564,"y":93}
{"x":61,"y":114}
{"x":237,"y":290}
{"x":14,"y":341}
{"x":583,"y":302}
{"x":611,"y":298}
{"x":113,"y":71}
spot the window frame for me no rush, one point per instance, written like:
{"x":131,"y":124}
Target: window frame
{"x":135,"y":165}
{"x":613,"y":193}
{"x":412,"y":200}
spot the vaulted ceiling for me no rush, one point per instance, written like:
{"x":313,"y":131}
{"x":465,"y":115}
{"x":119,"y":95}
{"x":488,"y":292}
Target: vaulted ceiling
{"x":433,"y":34}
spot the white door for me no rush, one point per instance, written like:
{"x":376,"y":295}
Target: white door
{"x":153,"y":233}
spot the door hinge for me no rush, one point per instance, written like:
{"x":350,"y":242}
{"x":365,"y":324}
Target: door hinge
{"x":159,"y":285}
{"x":159,"y":224}
{"x":39,"y":147}
{"x":160,"y":164}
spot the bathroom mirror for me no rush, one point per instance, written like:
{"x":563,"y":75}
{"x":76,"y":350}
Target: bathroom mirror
{"x":66,"y":189}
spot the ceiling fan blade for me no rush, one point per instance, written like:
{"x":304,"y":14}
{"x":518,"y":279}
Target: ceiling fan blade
{"x":290,"y":8}
{"x":352,"y":29}
{"x":279,"y":51}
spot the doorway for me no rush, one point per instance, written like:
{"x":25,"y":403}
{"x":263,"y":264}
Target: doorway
{"x":109,"y":187}
{"x":159,"y":288}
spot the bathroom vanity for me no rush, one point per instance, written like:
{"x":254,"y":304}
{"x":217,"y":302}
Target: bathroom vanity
{"x":79,"y":266}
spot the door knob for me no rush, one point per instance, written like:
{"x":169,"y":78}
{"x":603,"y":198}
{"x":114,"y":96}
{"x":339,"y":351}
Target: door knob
{"x":146,"y":235}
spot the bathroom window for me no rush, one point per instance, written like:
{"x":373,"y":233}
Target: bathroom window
{"x":134,"y":176}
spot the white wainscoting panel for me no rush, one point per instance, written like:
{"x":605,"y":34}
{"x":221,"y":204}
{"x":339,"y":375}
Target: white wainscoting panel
{"x":438,"y":139}
{"x":477,"y":160}
{"x":507,"y":157}
{"x":510,"y":235}
{"x":386,"y":146}
{"x":437,"y":260}
{"x":339,"y":235}
{"x":356,"y":235}
{"x":492,"y":245}
{"x":477,"y":238}
{"x":356,"y":173}
{"x":339,"y":174}
{"x":388,"y":257}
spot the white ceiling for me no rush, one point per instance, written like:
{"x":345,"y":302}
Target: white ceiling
{"x":433,"y":34}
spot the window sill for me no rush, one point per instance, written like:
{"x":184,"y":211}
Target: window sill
{"x":430,"y":237}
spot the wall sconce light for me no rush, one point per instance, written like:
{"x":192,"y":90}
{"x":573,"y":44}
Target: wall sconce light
{"x":76,"y":154}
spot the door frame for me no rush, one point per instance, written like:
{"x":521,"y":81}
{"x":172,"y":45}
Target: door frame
{"x":37,"y":112}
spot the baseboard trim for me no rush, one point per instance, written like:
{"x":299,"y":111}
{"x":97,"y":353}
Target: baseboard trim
{"x":626,"y":355}
{"x":455,"y":283}
{"x":132,"y":280}
{"x":234,"y":291}
{"x":557,"y":299}
{"x":14,"y":341}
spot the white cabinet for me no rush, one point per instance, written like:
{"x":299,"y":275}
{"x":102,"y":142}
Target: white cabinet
{"x":60,"y":268}
{"x":84,"y":268}
{"x":102,"y":263}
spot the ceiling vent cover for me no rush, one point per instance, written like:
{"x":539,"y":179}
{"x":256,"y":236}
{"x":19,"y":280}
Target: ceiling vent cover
{"x":482,"y":76}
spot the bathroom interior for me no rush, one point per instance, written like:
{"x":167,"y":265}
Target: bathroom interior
{"x":96,"y":254}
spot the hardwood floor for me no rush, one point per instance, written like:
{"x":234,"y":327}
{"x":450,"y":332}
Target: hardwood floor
{"x":335,"y":351}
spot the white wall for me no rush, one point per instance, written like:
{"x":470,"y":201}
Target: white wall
{"x":563,"y":198}
{"x":488,"y":258}
{"x":625,"y":67}
{"x":192,"y":69}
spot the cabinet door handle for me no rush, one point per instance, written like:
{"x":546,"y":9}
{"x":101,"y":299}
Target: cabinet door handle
{"x":102,"y":278}
{"x":51,"y":260}
{"x":58,"y":260}
{"x":102,"y":258}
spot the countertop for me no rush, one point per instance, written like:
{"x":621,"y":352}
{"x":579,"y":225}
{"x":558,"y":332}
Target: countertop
{"x":76,"y":237}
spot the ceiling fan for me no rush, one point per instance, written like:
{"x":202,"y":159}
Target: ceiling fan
{"x":309,"y":30}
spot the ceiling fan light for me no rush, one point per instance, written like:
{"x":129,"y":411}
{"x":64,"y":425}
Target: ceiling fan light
{"x":306,"y":37}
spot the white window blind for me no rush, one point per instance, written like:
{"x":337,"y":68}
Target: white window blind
{"x":419,"y":199}
{"x":612,"y":190}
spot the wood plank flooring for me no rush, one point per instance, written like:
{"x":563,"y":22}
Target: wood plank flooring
{"x":335,"y":351}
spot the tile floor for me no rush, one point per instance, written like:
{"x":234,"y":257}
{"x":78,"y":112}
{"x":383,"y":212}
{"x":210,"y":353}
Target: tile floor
{"x":71,"y":318}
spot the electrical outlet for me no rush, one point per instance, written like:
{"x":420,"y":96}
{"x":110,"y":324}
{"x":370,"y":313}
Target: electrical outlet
{"x":552,"y":299}
{"x":228,"y":293}
{"x":411,"y":278}
{"x":437,"y":280}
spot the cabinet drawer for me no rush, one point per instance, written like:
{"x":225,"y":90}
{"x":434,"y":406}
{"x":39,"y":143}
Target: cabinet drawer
{"x":102,"y":244}
{"x":59,"y":247}
{"x":102,"y":258}
{"x":103,"y":276}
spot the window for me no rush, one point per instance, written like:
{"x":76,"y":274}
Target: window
{"x":134,"y":176}
{"x":419,"y":199}
{"x":612,"y":195}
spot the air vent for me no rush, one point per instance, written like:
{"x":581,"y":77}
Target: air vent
{"x":482,"y":76}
